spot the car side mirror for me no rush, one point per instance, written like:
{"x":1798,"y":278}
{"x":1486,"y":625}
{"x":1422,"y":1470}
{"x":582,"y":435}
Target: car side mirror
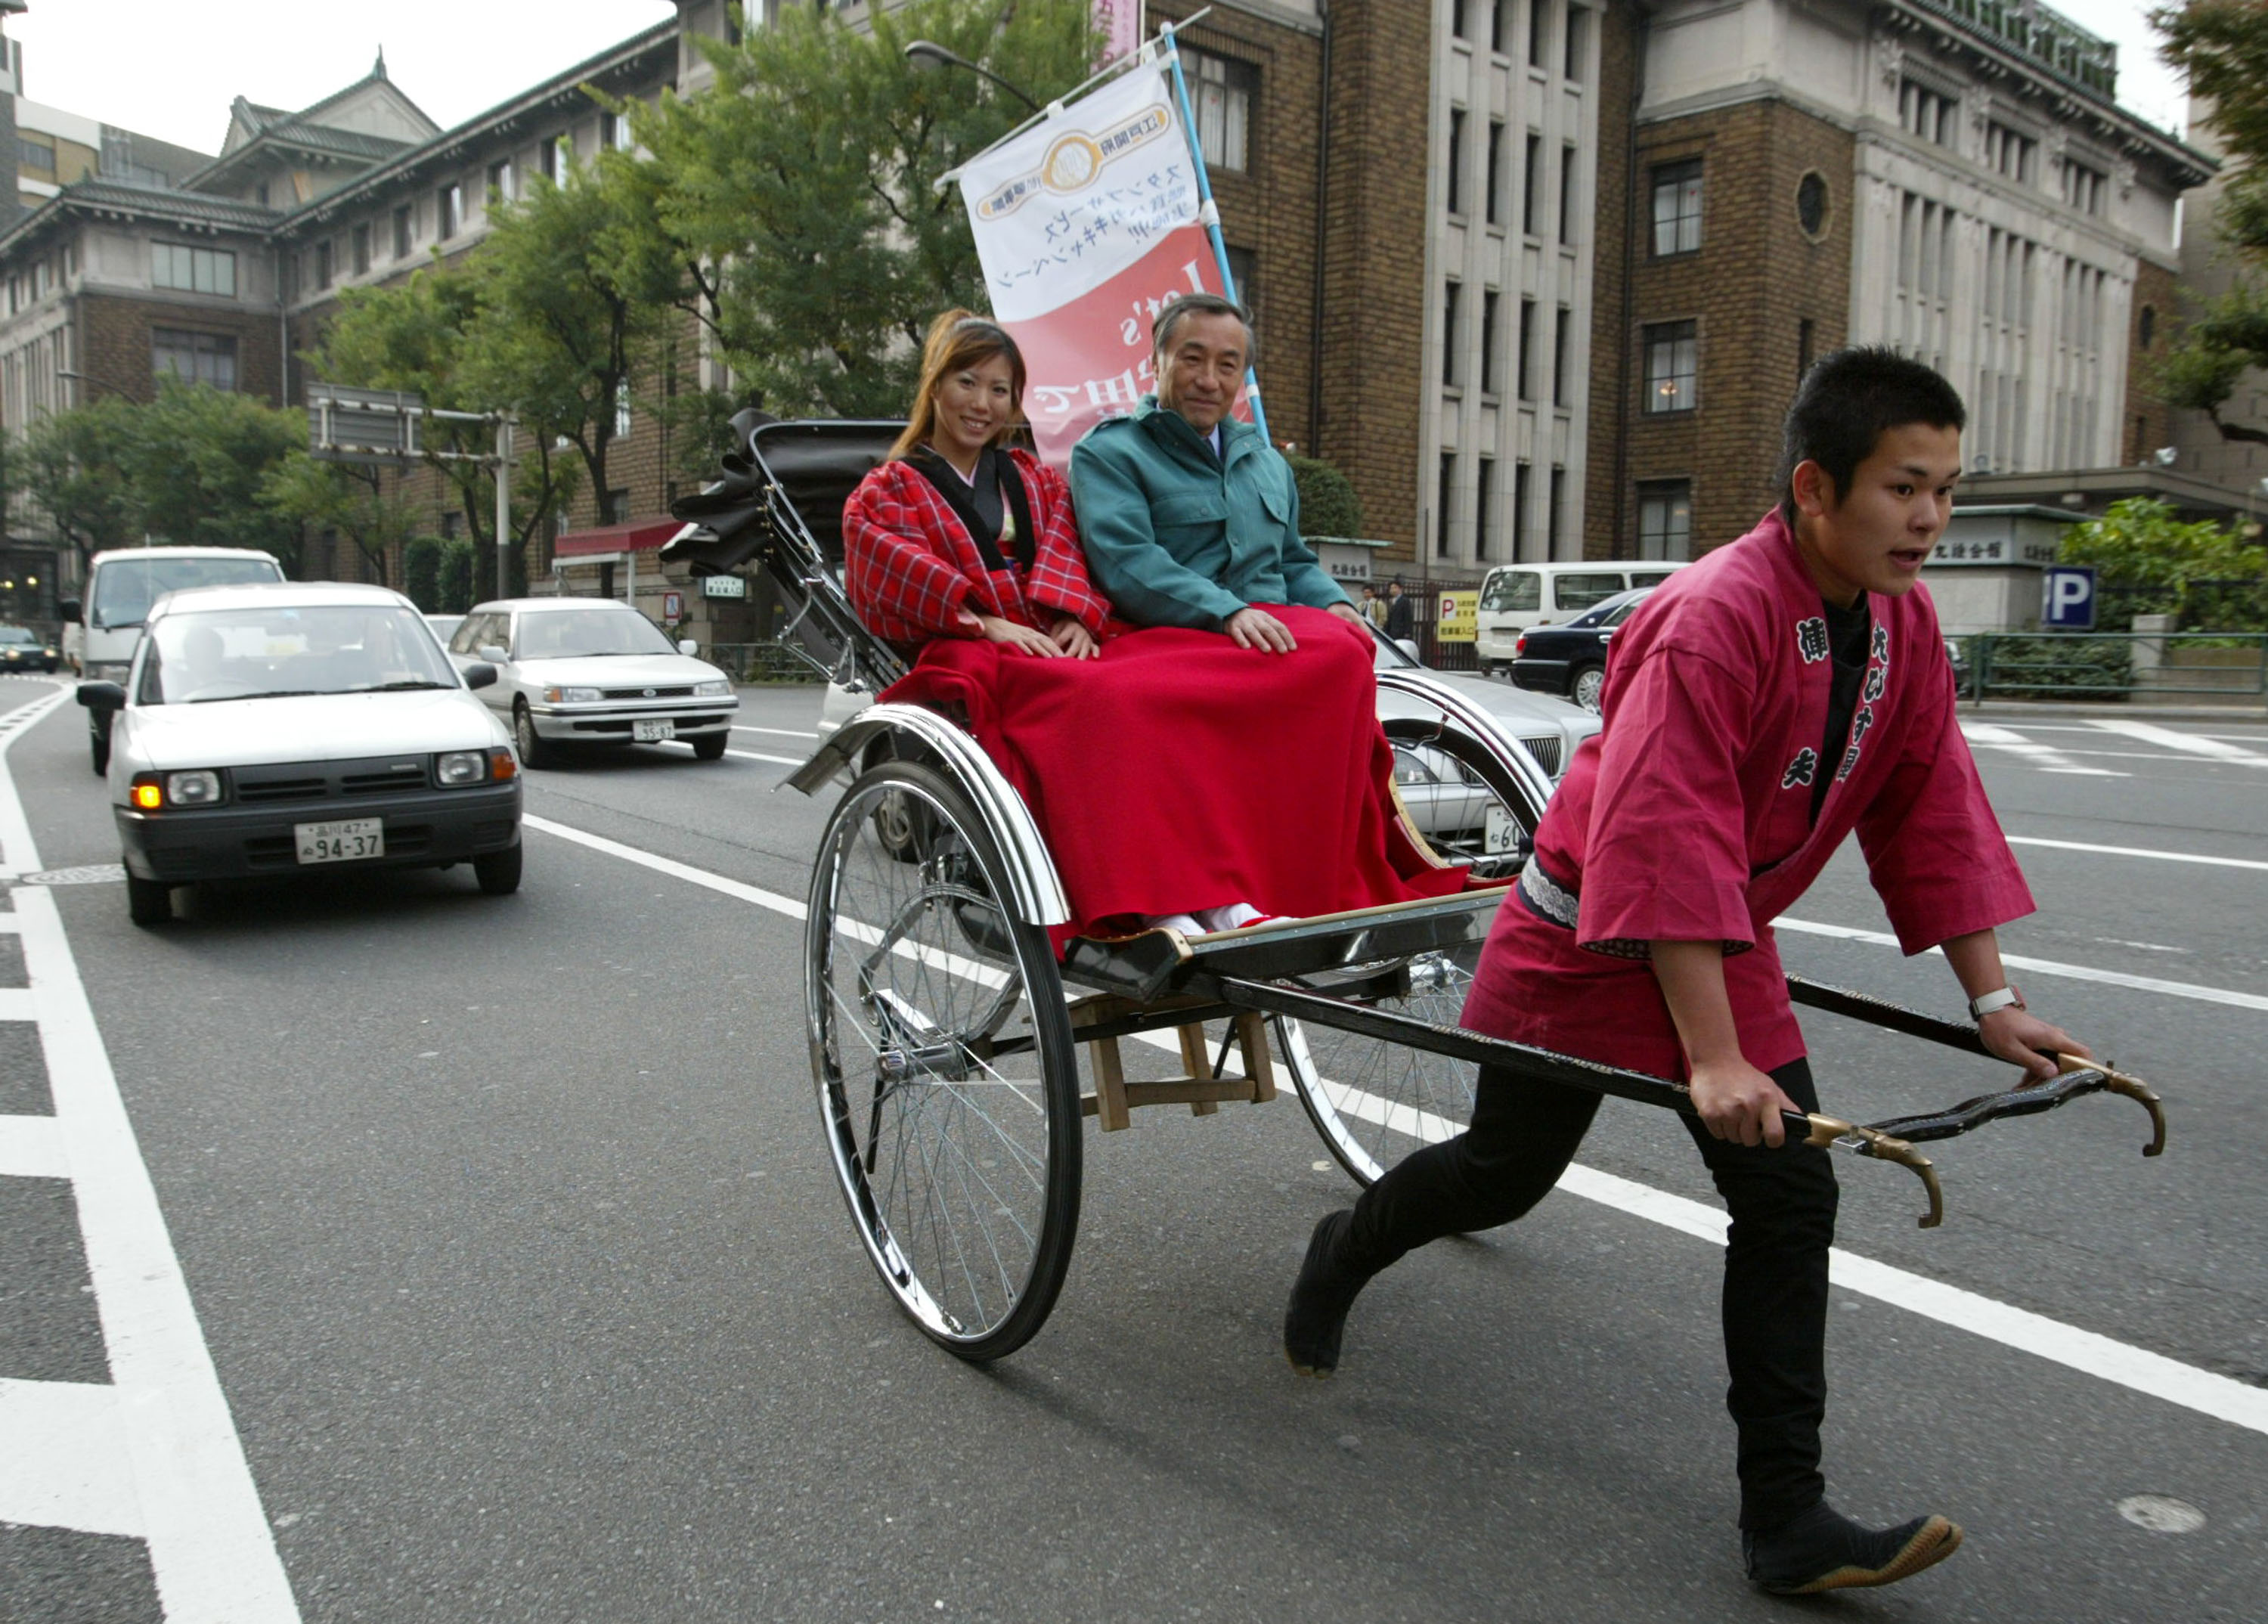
{"x":68,"y":610}
{"x":687,"y":645}
{"x":493,"y":656}
{"x":1408,"y":645}
{"x":102,"y":695}
{"x":480,"y":674}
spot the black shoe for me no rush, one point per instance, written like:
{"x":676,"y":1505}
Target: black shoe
{"x":1320,"y":1298}
{"x":1824,"y":1550}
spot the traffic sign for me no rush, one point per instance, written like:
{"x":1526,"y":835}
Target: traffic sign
{"x":2067,"y":597}
{"x":1457,"y":617}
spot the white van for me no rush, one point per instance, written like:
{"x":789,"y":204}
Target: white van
{"x":1516,"y":596}
{"x":120,"y":586}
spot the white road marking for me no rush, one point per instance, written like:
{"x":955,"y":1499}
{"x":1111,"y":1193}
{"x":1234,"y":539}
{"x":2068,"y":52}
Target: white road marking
{"x":31,"y":1148}
{"x":154,"y":1453}
{"x":2048,"y":967}
{"x":2087,"y":1352}
{"x":2190,"y":743}
{"x":18,"y":854}
{"x":2135,"y":851}
{"x":785,"y":761}
{"x":2045,"y":757}
{"x":784,"y":733}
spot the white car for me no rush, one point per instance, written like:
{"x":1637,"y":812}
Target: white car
{"x":301,"y":727}
{"x":594,"y":671}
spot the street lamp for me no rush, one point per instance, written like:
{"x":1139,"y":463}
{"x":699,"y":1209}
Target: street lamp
{"x":928,"y":55}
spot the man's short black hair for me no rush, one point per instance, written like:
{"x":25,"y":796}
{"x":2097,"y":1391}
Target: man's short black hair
{"x":1172,"y":313}
{"x":1847,"y":402}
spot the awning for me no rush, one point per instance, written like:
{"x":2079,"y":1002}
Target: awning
{"x":639,"y":536}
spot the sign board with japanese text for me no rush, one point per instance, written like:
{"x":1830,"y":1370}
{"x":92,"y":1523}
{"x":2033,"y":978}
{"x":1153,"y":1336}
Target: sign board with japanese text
{"x":673,"y":606}
{"x":1085,"y":225}
{"x":723,"y":587}
{"x":1457,"y":617}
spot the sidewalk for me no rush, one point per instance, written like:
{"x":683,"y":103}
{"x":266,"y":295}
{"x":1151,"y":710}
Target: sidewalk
{"x":2244,"y":708}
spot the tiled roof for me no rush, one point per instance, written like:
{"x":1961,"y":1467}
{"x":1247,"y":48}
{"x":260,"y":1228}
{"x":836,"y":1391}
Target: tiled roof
{"x":106,"y":196}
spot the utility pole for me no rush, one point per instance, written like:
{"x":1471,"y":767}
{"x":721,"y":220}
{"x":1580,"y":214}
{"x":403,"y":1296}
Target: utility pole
{"x":504,"y":505}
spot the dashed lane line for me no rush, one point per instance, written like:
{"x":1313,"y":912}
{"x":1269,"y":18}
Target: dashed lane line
{"x":2087,"y":1352}
{"x":2046,"y":757}
{"x":153,"y":1454}
{"x":2188,"y":743}
{"x":2135,"y":851}
{"x":784,"y":733}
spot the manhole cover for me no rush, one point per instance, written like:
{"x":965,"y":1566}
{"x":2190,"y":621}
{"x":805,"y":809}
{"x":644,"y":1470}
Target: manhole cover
{"x":88,"y":874}
{"x":2161,"y":1514}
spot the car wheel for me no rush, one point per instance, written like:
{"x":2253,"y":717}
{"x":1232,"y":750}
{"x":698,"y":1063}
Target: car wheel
{"x":498,"y":872}
{"x":711,"y":747}
{"x":148,"y":902}
{"x":533,"y":752}
{"x":1587,"y":683}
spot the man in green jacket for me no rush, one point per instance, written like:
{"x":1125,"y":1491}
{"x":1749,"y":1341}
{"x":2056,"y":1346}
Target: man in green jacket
{"x":1191,"y":518}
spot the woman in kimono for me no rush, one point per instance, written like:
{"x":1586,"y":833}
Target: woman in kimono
{"x":1179,"y":779}
{"x":1769,"y":700}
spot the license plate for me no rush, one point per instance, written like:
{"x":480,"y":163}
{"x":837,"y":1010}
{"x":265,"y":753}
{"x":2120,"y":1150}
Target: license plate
{"x":343,"y":842}
{"x":653,"y":733}
{"x":1502,"y":834}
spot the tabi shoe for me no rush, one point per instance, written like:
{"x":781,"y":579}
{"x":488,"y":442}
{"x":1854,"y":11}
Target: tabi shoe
{"x":1824,"y":1550}
{"x":1321,"y":1297}
{"x":1183,"y":922}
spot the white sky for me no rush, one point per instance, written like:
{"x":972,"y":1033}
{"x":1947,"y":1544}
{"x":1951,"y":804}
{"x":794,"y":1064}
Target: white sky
{"x":170,"y":69}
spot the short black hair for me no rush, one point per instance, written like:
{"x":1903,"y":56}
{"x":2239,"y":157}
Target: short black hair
{"x":1174,"y":312}
{"x":1847,"y":402}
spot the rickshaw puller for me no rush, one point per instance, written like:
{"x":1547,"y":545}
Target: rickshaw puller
{"x":1762,"y":703}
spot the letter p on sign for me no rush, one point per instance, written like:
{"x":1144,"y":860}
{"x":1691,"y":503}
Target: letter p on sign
{"x":2067,"y":598}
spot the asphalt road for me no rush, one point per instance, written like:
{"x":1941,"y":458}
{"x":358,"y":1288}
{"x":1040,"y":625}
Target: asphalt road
{"x":509,"y":1236}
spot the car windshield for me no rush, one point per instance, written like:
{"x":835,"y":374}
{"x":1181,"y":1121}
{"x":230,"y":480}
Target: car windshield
{"x":16,"y":634}
{"x":568,"y":634}
{"x":1621,"y":612}
{"x":1385,"y":655}
{"x":124,"y":588}
{"x":264,"y":652}
{"x":1513,"y":591}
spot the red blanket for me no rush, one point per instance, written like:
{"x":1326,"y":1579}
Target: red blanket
{"x":1179,"y":771}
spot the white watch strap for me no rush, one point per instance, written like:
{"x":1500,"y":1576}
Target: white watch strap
{"x":2002,"y":998}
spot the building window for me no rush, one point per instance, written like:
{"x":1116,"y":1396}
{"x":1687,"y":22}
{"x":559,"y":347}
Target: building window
{"x":1805,"y":331}
{"x":546,"y":156}
{"x":1523,"y":367}
{"x":1489,"y":372}
{"x":612,"y":133}
{"x":1672,"y":362}
{"x":1221,"y":99}
{"x":1539,"y":26}
{"x":404,"y":230}
{"x":1456,"y":176}
{"x":621,"y":413}
{"x":1449,"y":293}
{"x":503,"y":184}
{"x":260,"y":194}
{"x":1811,"y":200}
{"x":1562,"y":335}
{"x":1676,"y":208}
{"x":1665,"y":519}
{"x":449,"y":217}
{"x":1483,"y":505}
{"x":1926,"y":112}
{"x":1446,"y":495}
{"x":194,"y":270}
{"x":1493,"y":203}
{"x":322,"y":264}
{"x":2011,"y":154}
{"x":35,"y":155}
{"x":1554,"y":515}
{"x":1457,"y":18}
{"x":1520,"y":488}
{"x":1531,"y":185}
{"x":1578,"y":42}
{"x":1497,"y":20}
{"x":360,"y":248}
{"x":2146,"y":326}
{"x":1566,"y":195}
{"x":1244,"y":271}
{"x":2084,"y":188}
{"x":618,"y":508}
{"x":197,"y":358}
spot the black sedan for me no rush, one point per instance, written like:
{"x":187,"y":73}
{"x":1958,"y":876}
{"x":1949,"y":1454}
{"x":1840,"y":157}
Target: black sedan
{"x":1571,"y":658}
{"x":20,"y":651}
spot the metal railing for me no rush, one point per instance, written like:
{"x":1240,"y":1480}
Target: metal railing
{"x":770,"y":660}
{"x":2113,"y":665}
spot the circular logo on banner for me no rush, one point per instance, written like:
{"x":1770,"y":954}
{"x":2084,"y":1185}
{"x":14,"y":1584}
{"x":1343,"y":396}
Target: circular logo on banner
{"x":1072,"y":163}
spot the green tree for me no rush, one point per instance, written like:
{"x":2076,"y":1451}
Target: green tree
{"x":196,"y":459}
{"x":2160,"y":565}
{"x":2221,"y":47}
{"x":456,"y":592}
{"x":421,"y":573}
{"x":798,"y":221}
{"x":71,"y":467}
{"x":344,"y":497}
{"x":1328,"y":504}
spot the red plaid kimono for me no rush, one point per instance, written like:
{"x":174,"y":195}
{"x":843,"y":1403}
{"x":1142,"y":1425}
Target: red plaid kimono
{"x":911,"y":567}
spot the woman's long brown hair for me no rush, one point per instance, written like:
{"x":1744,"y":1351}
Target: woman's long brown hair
{"x":957,"y":340}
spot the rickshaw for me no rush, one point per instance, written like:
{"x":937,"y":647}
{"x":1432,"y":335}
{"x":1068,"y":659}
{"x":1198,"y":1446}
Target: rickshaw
{"x":945,"y":1031}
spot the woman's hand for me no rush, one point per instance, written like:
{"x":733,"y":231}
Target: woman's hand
{"x":1074,"y":639}
{"x":1022,"y":639}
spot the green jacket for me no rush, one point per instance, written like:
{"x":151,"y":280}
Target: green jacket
{"x":1176,"y":538}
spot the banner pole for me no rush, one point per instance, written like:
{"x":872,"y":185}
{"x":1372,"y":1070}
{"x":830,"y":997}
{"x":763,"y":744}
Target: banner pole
{"x":1207,"y":210}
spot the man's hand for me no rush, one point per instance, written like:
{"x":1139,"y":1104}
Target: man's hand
{"x":1074,"y":639}
{"x":2018,"y":1035}
{"x":1352,"y":616}
{"x":1739,"y":1104}
{"x":1257,"y":628}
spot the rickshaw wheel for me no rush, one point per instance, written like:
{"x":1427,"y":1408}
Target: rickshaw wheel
{"x":1375,"y":1101}
{"x":941,"y":1046}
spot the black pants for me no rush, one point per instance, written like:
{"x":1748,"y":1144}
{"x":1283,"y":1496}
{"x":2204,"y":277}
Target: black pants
{"x":1522,"y":1137}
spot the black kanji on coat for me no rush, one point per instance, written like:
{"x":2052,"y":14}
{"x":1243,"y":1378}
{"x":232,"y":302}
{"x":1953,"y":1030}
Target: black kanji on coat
{"x":1800,"y":770}
{"x":1860,"y":723}
{"x":1875,"y":679}
{"x":1811,"y":639}
{"x":1882,"y":644}
{"x":1850,"y":760}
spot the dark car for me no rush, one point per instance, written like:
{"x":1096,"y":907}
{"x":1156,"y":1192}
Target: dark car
{"x":20,"y":651}
{"x":1571,"y":659}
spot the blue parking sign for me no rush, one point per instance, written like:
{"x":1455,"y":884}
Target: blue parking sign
{"x":2067,"y":597}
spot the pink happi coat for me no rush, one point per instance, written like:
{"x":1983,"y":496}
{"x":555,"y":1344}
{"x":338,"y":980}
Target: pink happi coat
{"x":1688,"y":816}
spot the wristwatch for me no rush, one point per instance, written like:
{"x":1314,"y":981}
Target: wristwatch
{"x":2005,"y":998}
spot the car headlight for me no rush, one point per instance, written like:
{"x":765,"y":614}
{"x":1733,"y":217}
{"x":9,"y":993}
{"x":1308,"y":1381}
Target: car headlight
{"x":158,"y":792}
{"x":572,"y":696}
{"x":458,"y":769}
{"x":713,"y":690}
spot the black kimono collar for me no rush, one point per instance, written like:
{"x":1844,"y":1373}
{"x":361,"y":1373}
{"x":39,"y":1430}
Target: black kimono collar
{"x":996,"y":472}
